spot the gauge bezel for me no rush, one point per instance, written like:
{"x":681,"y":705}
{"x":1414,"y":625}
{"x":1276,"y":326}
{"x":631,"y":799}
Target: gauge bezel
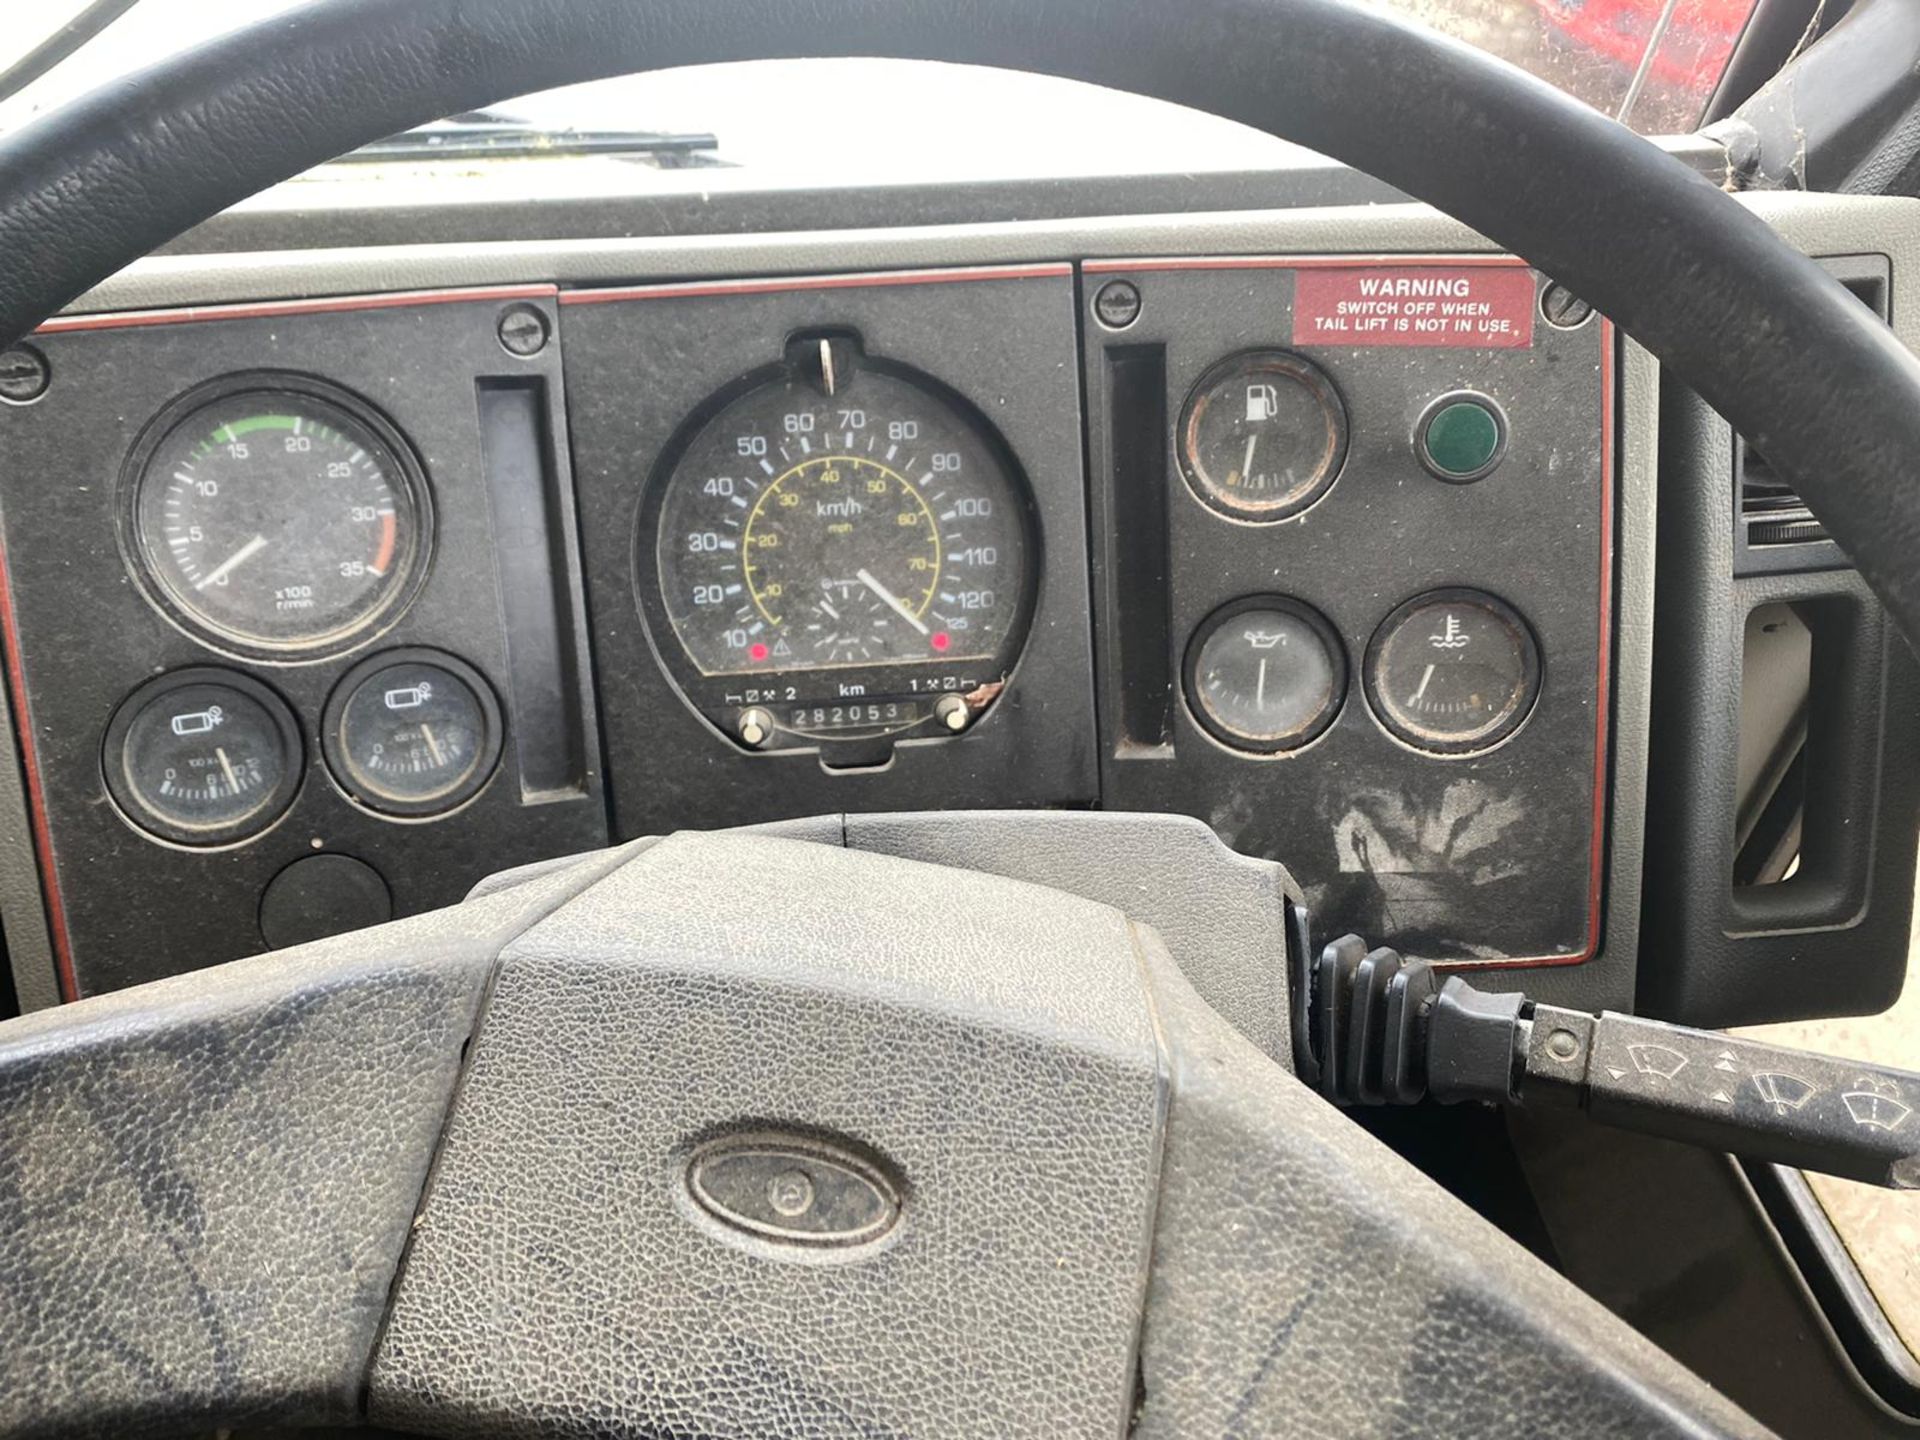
{"x":1479,"y":398}
{"x":347,"y":777}
{"x":1234,"y":740}
{"x":1298,"y":368}
{"x":776,"y":690}
{"x":1411,"y":736}
{"x":155,"y":825}
{"x":401,"y":465}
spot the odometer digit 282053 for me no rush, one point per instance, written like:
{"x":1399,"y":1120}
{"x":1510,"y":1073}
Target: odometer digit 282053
{"x":838,"y":529}
{"x":276,"y":515}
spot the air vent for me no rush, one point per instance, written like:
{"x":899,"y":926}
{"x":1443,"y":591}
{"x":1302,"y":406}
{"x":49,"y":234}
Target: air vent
{"x":1775,"y":531}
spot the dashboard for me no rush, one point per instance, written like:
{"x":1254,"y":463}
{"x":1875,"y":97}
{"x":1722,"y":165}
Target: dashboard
{"x":320,"y":609}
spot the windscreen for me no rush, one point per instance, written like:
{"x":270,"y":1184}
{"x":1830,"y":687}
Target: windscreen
{"x":1655,"y":64}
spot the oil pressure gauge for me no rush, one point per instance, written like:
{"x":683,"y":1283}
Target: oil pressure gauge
{"x":1453,"y":671}
{"x":1266,"y":674}
{"x":202,"y":757}
{"x":412,"y":732}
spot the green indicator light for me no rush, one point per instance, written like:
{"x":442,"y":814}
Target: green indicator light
{"x":1462,"y":440}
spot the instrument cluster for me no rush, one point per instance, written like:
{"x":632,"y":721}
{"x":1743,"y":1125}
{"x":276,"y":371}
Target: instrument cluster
{"x":276,"y":517}
{"x":1354,"y":555}
{"x":886,"y":542}
{"x":294,"y":631}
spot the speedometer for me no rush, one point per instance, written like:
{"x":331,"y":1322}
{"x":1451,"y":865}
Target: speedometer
{"x":837,"y":544}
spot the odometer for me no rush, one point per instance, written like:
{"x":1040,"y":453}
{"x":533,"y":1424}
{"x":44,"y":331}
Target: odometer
{"x":837,"y":529}
{"x":277,"y":519}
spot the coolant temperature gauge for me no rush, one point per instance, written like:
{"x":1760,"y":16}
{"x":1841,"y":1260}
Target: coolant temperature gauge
{"x":1453,"y":671}
{"x":412,"y":733}
{"x":202,"y":757}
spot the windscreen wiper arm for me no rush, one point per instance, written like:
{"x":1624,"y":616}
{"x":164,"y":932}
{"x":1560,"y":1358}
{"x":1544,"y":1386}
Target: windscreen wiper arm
{"x":60,"y":44}
{"x":484,"y":136}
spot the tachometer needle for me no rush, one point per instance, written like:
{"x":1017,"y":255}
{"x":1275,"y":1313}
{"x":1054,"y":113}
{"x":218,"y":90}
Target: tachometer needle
{"x":894,"y":603}
{"x":233,"y":562}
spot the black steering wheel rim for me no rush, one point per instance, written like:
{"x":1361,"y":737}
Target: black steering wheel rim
{"x":1762,"y":332}
{"x":1770,"y":340}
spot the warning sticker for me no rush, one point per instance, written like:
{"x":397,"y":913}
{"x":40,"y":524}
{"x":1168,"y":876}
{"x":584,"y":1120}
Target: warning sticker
{"x":1487,"y":308}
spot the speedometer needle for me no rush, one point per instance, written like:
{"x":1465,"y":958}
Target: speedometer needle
{"x":894,"y":602}
{"x":233,"y":562}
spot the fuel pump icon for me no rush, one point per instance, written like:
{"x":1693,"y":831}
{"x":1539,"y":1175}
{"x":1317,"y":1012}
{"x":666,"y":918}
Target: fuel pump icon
{"x":1263,"y":403}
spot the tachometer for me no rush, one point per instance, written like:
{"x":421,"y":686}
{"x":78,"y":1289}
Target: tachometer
{"x":839,"y":529}
{"x":277,"y":517}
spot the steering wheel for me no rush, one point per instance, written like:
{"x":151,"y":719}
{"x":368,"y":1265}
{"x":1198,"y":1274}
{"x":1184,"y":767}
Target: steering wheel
{"x":592,"y":1155}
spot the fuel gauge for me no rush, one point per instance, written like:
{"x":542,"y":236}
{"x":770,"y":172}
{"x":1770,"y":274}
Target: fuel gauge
{"x":1263,"y":436}
{"x":412,"y":732}
{"x":202,"y":756}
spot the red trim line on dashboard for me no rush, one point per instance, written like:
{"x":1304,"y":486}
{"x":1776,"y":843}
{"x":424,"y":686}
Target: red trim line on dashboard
{"x":1603,"y":690}
{"x":264,"y":309}
{"x":36,"y":795}
{"x":1049,"y":271}
{"x":1311,"y":262}
{"x":1602,"y":766}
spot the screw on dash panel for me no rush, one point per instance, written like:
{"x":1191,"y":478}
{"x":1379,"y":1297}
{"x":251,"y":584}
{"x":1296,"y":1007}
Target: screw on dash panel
{"x":1117,"y":305}
{"x":523,"y":330}
{"x":1563,"y":309}
{"x":24,"y":375}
